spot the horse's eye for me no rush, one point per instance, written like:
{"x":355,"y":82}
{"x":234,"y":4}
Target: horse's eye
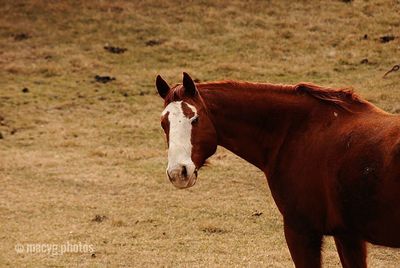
{"x":195,"y":119}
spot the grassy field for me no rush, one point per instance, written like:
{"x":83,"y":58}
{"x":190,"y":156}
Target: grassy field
{"x":83,"y":162}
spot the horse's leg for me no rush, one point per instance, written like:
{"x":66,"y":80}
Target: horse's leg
{"x":352,"y":251}
{"x":304,"y":247}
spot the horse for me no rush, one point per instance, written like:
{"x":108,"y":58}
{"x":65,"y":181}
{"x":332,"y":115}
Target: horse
{"x":331,"y":158}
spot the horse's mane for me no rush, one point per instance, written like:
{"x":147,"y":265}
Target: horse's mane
{"x":342,"y":98}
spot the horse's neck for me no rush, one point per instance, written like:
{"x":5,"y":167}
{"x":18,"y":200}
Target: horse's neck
{"x":253,"y":124}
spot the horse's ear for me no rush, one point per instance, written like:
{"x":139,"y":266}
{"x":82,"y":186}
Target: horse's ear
{"x":162,"y":87}
{"x":188,"y":84}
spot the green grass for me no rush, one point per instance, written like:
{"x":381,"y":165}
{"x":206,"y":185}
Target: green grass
{"x":73,"y":148}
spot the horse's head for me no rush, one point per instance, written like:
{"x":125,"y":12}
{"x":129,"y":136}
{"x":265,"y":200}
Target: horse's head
{"x":191,"y":135}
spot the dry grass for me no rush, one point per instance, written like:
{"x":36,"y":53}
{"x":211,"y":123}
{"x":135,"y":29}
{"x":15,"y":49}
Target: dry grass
{"x":74,"y":149}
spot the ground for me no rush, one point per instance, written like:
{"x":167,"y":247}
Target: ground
{"x":83,"y":161}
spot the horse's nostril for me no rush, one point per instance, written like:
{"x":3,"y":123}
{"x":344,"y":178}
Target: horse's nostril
{"x":184,"y":171}
{"x":169,"y":177}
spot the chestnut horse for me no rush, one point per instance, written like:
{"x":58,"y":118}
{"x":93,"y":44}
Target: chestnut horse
{"x":332,"y":159}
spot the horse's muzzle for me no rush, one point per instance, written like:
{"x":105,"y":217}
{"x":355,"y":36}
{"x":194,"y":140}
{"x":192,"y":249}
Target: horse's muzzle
{"x":182,"y":176}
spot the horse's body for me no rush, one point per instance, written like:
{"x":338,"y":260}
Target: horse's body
{"x":332,"y":160}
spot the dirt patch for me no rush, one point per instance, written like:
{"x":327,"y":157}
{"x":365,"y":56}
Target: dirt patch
{"x":154,"y":42}
{"x":115,"y":50}
{"x":386,"y":38}
{"x":256,"y":214}
{"x":104,"y":79}
{"x":99,"y":218}
{"x":214,"y":230}
{"x":21,"y":36}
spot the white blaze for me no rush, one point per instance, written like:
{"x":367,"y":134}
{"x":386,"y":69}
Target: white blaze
{"x":180,"y":132}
